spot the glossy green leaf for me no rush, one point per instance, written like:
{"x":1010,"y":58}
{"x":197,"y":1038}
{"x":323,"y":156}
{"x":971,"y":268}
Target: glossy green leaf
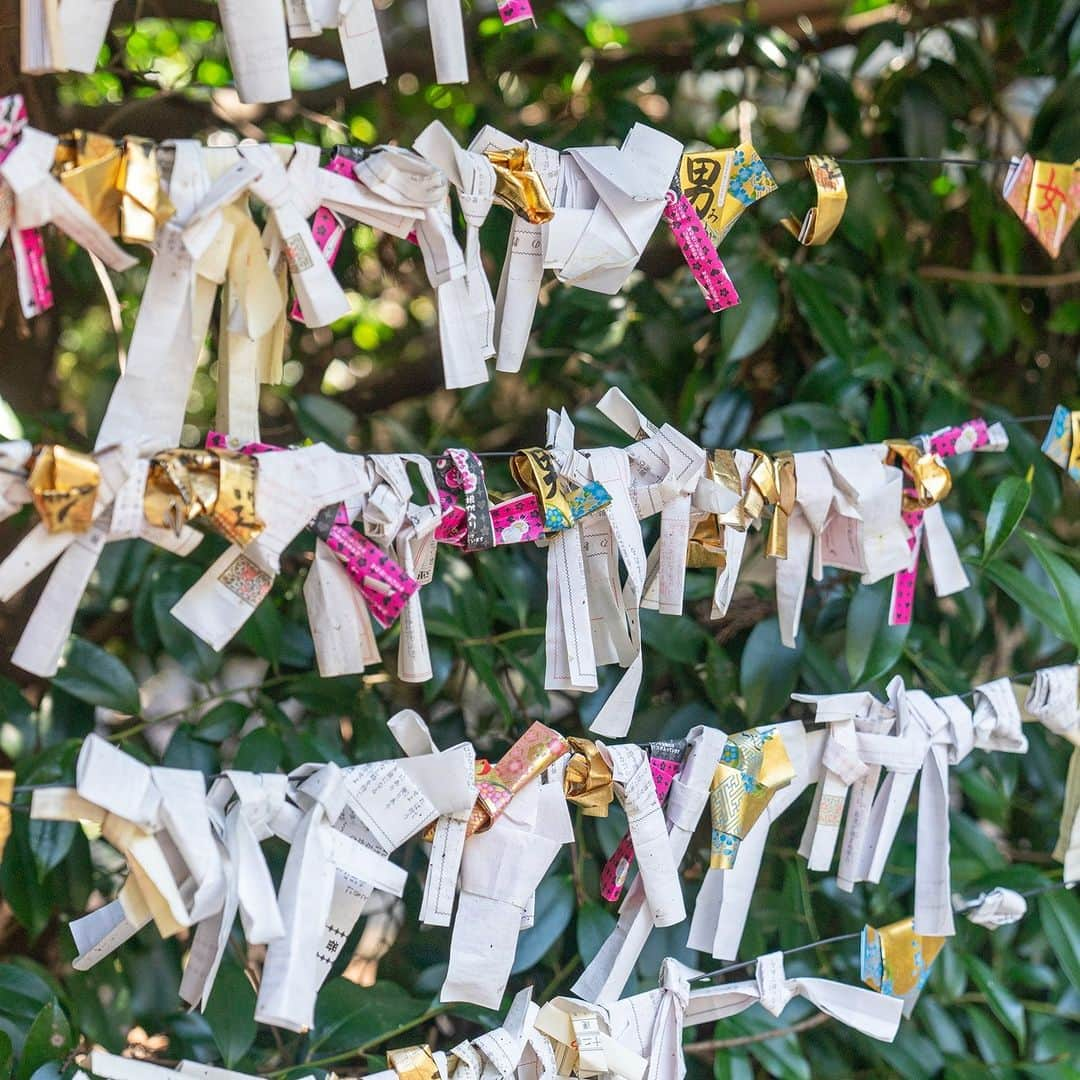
{"x":349,"y":1016}
{"x":1031,"y":597}
{"x":768,"y":672}
{"x":1007,"y":508}
{"x":49,"y":1039}
{"x":555,"y":903}
{"x":1059,"y":913}
{"x":90,"y":674}
{"x":872,"y":647}
{"x":1066,"y":583}
{"x":1004,"y":1004}
{"x":230,"y":1012}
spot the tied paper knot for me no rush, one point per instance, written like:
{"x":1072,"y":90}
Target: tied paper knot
{"x":895,"y":960}
{"x":873,"y":1014}
{"x":183,"y":485}
{"x":536,"y":750}
{"x":772,"y":483}
{"x":588,"y":781}
{"x":519,"y":186}
{"x":118,"y":185}
{"x":998,"y":723}
{"x":64,"y":486}
{"x":928,"y":474}
{"x":1053,"y":701}
{"x":1062,"y":442}
{"x":707,"y":548}
{"x":754,"y":767}
{"x":535,"y":471}
{"x":413,"y":1063}
{"x":584,"y":1045}
{"x":998,"y":907}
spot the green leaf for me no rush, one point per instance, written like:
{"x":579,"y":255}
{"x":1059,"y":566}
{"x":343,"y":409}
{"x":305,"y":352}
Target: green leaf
{"x":322,"y":419}
{"x":50,"y":841}
{"x":230,"y":1013}
{"x":872,"y":646}
{"x":594,"y":924}
{"x":348,"y":1016}
{"x":1059,"y":913}
{"x":768,"y":672}
{"x":555,"y":903}
{"x":90,"y":674}
{"x":1004,"y":1005}
{"x":1007,"y":508}
{"x":1066,"y":582}
{"x":1029,"y":596}
{"x":7,"y":1056}
{"x":819,"y":309}
{"x":260,"y":750}
{"x":747,"y":326}
{"x":49,"y":1039}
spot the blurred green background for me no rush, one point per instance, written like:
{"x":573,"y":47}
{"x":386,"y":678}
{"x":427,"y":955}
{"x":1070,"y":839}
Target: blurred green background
{"x":930,"y":305}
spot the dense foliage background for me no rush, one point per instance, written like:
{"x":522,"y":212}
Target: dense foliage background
{"x":930,"y":305}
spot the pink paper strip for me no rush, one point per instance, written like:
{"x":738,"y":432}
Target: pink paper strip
{"x":515,"y":11}
{"x":381,"y":581}
{"x":700,"y":254}
{"x":948,"y":442}
{"x":13,"y":119}
{"x":617,"y":868}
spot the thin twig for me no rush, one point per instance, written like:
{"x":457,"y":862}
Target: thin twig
{"x":709,"y":1046}
{"x":991,"y":277}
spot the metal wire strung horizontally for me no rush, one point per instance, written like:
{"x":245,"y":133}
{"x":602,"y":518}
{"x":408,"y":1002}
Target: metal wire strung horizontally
{"x":968,"y":905}
{"x":968,"y":163}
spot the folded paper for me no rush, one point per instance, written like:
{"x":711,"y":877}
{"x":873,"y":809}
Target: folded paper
{"x":1045,"y":196}
{"x":821,"y":220}
{"x":895,"y":960}
{"x":1062,"y":442}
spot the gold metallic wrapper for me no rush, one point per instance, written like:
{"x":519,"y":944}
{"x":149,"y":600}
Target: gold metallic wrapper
{"x":7,"y":793}
{"x":588,"y":780}
{"x":896,"y":960}
{"x":754,"y":767}
{"x":928,"y":472}
{"x":518,"y":185}
{"x":534,"y":470}
{"x":536,"y":750}
{"x":413,"y":1063}
{"x":821,"y":220}
{"x":219,"y":485}
{"x":64,"y":485}
{"x":118,"y":185}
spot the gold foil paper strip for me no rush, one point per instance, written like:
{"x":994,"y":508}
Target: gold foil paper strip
{"x":518,"y":185}
{"x":896,"y":960}
{"x":926,"y":471}
{"x":219,"y":485}
{"x":534,"y":470}
{"x":64,"y":485}
{"x":821,"y":220}
{"x":588,"y":780}
{"x":118,"y":185}
{"x":7,"y":794}
{"x":753,"y":768}
{"x":413,"y":1063}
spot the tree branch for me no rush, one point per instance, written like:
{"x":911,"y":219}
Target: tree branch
{"x":990,"y":277}
{"x":710,"y":1046}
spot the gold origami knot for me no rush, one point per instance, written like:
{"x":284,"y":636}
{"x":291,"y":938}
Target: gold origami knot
{"x":772,"y":483}
{"x":821,"y":220}
{"x":413,"y":1063}
{"x":183,"y":485}
{"x":928,"y":473}
{"x":706,"y":548}
{"x":64,"y":485}
{"x":518,"y":185}
{"x":588,"y":780}
{"x":118,"y":185}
